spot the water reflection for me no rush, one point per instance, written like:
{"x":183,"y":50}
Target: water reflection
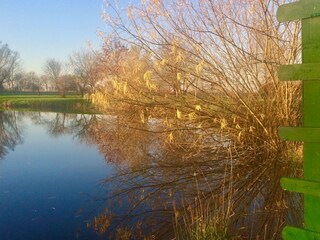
{"x":10,"y":132}
{"x":79,"y":125}
{"x":165,"y":181}
{"x":169,"y":186}
{"x":49,"y":182}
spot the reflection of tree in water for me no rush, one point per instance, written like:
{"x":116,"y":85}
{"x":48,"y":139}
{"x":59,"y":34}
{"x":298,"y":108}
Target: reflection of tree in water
{"x":167,"y":184}
{"x":10,"y":132}
{"x":165,"y":180}
{"x":120,"y":144}
{"x":58,"y":124}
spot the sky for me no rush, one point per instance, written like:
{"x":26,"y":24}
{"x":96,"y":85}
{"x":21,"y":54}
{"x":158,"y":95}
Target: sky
{"x":43,"y":29}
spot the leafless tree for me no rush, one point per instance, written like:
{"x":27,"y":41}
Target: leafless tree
{"x":227,"y":52}
{"x":85,"y":68}
{"x":53,"y":70}
{"x":9,"y":63}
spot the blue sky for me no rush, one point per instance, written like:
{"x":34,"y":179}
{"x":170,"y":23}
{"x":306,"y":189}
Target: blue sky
{"x":42,"y":29}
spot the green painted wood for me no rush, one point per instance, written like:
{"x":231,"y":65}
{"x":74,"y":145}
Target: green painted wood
{"x":311,"y":173}
{"x":301,"y":186}
{"x":298,"y":10}
{"x":300,"y":133}
{"x":311,"y":119}
{"x":310,"y":71}
{"x":309,"y":12}
{"x":293,"y":233}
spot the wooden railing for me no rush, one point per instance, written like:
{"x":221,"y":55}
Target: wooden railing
{"x":308,"y":11}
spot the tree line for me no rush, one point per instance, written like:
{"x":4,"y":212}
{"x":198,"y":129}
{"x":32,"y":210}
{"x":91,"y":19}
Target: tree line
{"x":80,"y":74}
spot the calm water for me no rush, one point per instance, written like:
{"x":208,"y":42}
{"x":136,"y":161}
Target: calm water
{"x":49,"y":177}
{"x":60,"y":173}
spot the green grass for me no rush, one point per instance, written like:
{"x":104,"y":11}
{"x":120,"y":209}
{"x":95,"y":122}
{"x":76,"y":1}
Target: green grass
{"x":45,"y":102}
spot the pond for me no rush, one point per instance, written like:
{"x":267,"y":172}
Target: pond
{"x":81,"y":176}
{"x":49,"y":176}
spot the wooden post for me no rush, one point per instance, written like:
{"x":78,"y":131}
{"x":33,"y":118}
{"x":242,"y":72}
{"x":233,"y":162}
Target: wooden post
{"x":309,"y":72}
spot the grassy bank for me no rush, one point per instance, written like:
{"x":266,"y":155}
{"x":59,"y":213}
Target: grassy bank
{"x":72,"y":103}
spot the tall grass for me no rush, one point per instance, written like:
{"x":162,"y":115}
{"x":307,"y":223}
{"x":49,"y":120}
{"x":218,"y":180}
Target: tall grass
{"x":198,"y":86}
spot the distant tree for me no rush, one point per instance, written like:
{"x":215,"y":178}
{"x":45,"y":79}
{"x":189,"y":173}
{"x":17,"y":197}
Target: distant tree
{"x":53,"y":70}
{"x":27,"y":81}
{"x":46,"y":83}
{"x":70,"y":82}
{"x":18,"y":81}
{"x":85,"y":68}
{"x":13,"y":73}
{"x":9,"y":63}
{"x":33,"y":82}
